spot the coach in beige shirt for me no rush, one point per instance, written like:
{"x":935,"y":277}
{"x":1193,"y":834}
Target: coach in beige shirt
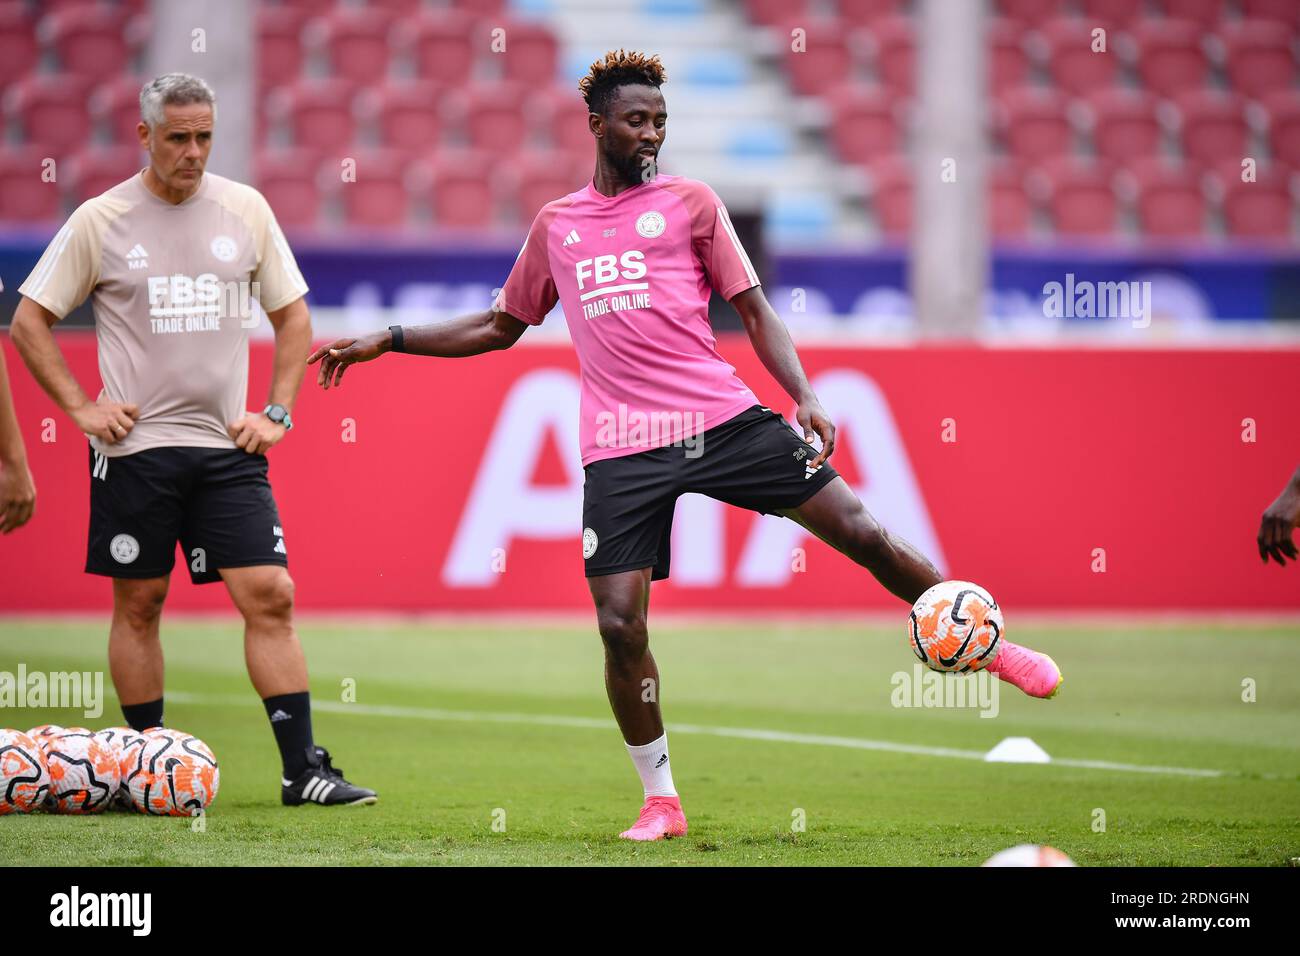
{"x":172,"y":260}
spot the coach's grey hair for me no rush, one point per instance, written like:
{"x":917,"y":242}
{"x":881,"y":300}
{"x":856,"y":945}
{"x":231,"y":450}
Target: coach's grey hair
{"x":173,"y":89}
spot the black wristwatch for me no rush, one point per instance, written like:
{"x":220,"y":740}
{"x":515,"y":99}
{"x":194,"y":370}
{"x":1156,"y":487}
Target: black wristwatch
{"x":280,"y":415}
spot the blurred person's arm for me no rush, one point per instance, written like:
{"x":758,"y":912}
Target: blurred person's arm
{"x":255,"y":433}
{"x":1279,"y":519}
{"x":17,"y":490}
{"x":106,"y":420}
{"x":467,"y":335}
{"x":774,"y":348}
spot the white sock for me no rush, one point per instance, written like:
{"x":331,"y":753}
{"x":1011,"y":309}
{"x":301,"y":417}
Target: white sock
{"x":652,"y":764}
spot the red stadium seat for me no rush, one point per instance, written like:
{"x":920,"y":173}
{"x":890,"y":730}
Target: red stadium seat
{"x":824,"y":62}
{"x":318,"y":113}
{"x":288,"y":180}
{"x":51,"y":109}
{"x":1124,"y":123}
{"x":115,"y":105}
{"x":1261,"y":209}
{"x":1259,"y":57}
{"x":893,"y":41}
{"x":566,"y":119}
{"x":1081,"y":197}
{"x":19,"y":50}
{"x":398,"y":8}
{"x":462,"y":190}
{"x":1008,"y":61}
{"x":1070,"y":58}
{"x":859,"y":12}
{"x":1170,"y":55}
{"x":1280,"y":11}
{"x":380,"y":195}
{"x":531,"y":54}
{"x":864,"y":123}
{"x":441,"y":46}
{"x":1108,"y":12}
{"x":1033,"y":124}
{"x":98,"y":41}
{"x":1213,"y":126}
{"x":1170,"y":200}
{"x":494,"y":116}
{"x":24,"y":196}
{"x":407,"y":114}
{"x":355,"y":41}
{"x":1207,"y":13}
{"x":1010,"y":210}
{"x":480,"y":8}
{"x":279,"y":45}
{"x":99,"y":169}
{"x":1284,"y":126}
{"x":535,"y":178}
{"x":1030,"y":13}
{"x":770,"y":13}
{"x":891,"y":179}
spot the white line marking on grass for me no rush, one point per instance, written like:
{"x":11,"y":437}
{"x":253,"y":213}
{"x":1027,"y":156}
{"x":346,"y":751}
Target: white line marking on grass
{"x":743,"y":733}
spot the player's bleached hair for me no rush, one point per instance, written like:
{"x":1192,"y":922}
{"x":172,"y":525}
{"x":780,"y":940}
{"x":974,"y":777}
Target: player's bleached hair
{"x":173,"y":89}
{"x":619,"y":68}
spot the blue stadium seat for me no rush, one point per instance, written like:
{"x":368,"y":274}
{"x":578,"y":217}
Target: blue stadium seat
{"x":717,"y":69}
{"x":798,"y":216}
{"x":532,"y":8}
{"x":673,"y":8}
{"x":760,"y":142}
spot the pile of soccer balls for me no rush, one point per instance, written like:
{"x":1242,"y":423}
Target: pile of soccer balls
{"x":159,"y":771}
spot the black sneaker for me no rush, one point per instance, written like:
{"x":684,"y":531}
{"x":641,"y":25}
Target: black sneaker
{"x":322,"y":783}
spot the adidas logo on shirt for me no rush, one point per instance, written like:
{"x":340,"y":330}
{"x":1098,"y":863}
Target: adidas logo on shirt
{"x":137,"y":258}
{"x":572,"y":237}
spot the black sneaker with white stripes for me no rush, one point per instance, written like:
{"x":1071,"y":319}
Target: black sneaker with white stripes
{"x":322,"y":783}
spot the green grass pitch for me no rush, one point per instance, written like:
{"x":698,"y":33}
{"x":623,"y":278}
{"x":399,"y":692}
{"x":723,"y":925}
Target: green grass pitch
{"x":463,"y":726}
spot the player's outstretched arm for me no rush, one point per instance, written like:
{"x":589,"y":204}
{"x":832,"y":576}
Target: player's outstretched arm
{"x":106,"y":420}
{"x":772,"y":343}
{"x":1275,"y":527}
{"x":17,"y":490}
{"x":467,"y":335}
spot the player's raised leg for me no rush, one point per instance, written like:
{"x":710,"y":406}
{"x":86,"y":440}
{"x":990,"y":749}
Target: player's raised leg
{"x":278,"y":670}
{"x":837,"y":516}
{"x":135,"y":657}
{"x":632,"y":683}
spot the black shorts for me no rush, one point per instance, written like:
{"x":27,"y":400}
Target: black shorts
{"x":755,"y":461}
{"x":216,"y":501}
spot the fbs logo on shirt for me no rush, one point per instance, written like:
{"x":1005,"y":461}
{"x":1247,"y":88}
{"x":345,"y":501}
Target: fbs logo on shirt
{"x":603,"y":270}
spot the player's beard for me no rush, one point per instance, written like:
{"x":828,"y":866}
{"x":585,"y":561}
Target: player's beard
{"x":634,"y":169}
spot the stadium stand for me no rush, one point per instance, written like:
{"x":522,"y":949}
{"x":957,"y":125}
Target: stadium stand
{"x":1132,"y":141}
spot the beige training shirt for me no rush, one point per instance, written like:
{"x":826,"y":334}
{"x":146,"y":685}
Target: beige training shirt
{"x":172,"y":288}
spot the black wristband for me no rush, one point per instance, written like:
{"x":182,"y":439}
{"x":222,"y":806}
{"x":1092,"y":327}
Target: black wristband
{"x":399,"y":343}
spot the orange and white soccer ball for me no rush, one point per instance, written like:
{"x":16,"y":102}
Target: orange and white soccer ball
{"x":955,"y":626}
{"x":170,"y":773}
{"x":1029,"y":854}
{"x":119,"y":740}
{"x":24,"y":774}
{"x":84,"y":772}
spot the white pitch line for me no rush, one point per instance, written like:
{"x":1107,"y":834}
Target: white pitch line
{"x":744,"y":733}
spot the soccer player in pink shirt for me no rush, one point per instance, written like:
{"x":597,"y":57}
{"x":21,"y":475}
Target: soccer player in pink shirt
{"x":633,"y":257}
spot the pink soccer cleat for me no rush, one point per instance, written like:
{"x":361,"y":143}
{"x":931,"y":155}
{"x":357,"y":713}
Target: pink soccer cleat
{"x":1034,"y":673}
{"x":660,"y":818}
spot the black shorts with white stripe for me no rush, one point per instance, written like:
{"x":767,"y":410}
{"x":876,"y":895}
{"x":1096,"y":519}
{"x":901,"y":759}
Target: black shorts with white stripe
{"x":216,"y":502}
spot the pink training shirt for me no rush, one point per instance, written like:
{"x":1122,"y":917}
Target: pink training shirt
{"x":633,"y":273}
